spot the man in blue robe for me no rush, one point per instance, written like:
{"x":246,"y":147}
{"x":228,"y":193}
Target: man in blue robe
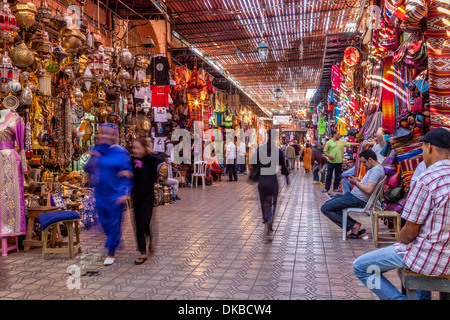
{"x":111,"y":168}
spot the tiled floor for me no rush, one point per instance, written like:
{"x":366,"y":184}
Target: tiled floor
{"x":210,"y":245}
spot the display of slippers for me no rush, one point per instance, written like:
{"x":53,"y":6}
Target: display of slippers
{"x":356,"y":236}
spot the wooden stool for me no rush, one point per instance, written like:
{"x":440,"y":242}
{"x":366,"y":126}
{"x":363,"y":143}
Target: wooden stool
{"x":32,"y":214}
{"x":412,"y":281}
{"x":52,"y":219}
{"x":6,"y":247}
{"x":397,"y":226}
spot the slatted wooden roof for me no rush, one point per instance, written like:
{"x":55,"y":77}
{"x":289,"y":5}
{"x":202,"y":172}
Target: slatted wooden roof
{"x":229,"y":31}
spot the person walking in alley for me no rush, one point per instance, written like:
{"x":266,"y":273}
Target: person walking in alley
{"x":145,"y":175}
{"x":231,"y":155}
{"x":290,"y":156}
{"x":110,"y":164}
{"x":265,"y":162}
{"x":306,"y":155}
{"x":424,"y":241}
{"x":334,"y":151}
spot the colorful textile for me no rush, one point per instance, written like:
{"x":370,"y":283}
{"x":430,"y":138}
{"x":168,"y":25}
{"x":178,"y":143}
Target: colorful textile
{"x":12,"y":167}
{"x":439,"y":62}
{"x":388,"y":97}
{"x":402,"y":75}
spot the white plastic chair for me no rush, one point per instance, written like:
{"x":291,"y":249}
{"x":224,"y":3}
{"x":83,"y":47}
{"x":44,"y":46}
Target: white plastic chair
{"x":199,"y":171}
{"x":371,"y":203}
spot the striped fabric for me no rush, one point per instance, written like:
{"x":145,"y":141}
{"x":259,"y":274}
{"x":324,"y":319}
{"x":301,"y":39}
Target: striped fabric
{"x":438,"y":39}
{"x":402,"y":75}
{"x":388,"y":97}
{"x":415,"y":10}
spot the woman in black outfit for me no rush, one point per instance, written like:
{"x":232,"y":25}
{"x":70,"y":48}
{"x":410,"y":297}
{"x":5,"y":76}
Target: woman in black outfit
{"x":145,"y":174}
{"x":267,"y":178}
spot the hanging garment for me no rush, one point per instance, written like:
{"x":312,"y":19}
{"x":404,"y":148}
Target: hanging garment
{"x":159,"y":70}
{"x":439,"y":63}
{"x":388,"y":98}
{"x":12,"y":167}
{"x":160,"y":96}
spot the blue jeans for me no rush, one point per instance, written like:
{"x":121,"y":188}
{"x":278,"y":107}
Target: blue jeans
{"x":346,"y":186}
{"x":316,"y":174}
{"x":333,"y":208}
{"x":369,"y":268}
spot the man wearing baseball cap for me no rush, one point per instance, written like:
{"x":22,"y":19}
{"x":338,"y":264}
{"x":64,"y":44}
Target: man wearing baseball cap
{"x":424,"y":241}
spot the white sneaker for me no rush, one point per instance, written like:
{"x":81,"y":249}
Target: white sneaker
{"x":109,"y":261}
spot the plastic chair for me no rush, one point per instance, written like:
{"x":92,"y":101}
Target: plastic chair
{"x":367,"y":209}
{"x":199,"y":171}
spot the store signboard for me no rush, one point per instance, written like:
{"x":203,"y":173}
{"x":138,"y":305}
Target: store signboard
{"x":279,"y":120}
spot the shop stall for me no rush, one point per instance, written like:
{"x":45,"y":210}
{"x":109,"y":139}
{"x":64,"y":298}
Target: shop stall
{"x":394,"y":80}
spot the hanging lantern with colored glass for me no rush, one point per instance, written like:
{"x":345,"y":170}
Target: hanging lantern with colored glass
{"x":8,"y":72}
{"x":8,"y":22}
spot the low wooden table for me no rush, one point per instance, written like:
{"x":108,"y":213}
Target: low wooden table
{"x":33,"y":213}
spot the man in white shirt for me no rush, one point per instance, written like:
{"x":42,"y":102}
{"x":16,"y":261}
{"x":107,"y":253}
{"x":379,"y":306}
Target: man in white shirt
{"x":231,"y":160}
{"x":241,"y":163}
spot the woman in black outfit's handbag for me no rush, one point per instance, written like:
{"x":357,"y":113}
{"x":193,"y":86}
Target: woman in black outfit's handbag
{"x":266,"y":176}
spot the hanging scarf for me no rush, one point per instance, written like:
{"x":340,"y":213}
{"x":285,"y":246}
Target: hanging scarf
{"x":388,"y":96}
{"x":438,"y":63}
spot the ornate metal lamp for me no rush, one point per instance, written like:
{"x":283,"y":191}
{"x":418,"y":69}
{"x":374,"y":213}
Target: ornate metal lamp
{"x":25,"y":13}
{"x":8,"y":22}
{"x":44,"y":13}
{"x":8,"y":72}
{"x":263,"y":50}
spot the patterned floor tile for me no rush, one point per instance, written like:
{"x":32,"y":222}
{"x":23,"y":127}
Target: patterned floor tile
{"x":210,"y":245}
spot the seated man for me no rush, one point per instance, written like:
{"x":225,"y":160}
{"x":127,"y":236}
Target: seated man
{"x":358,"y":197}
{"x":346,"y":185}
{"x":174,"y":183}
{"x":424,"y":241}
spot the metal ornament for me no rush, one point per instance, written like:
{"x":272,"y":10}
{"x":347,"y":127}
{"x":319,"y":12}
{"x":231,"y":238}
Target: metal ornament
{"x":11,"y":102}
{"x":25,"y":13}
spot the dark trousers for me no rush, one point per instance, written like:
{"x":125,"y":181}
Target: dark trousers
{"x":143,"y":210}
{"x":337,"y":168}
{"x":268,"y":195}
{"x":241,"y":166}
{"x":232,"y":171}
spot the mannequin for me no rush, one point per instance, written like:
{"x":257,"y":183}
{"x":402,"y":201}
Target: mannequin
{"x":12,"y":167}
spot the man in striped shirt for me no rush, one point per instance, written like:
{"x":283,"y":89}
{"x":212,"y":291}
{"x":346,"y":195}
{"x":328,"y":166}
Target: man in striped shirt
{"x":424,"y":241}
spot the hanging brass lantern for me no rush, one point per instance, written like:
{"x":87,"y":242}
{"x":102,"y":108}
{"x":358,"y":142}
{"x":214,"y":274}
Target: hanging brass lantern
{"x":71,"y":40}
{"x":57,"y":21}
{"x":42,"y":45}
{"x":25,"y":13}
{"x":21,"y":56}
{"x":44,"y":13}
{"x":77,"y":94}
